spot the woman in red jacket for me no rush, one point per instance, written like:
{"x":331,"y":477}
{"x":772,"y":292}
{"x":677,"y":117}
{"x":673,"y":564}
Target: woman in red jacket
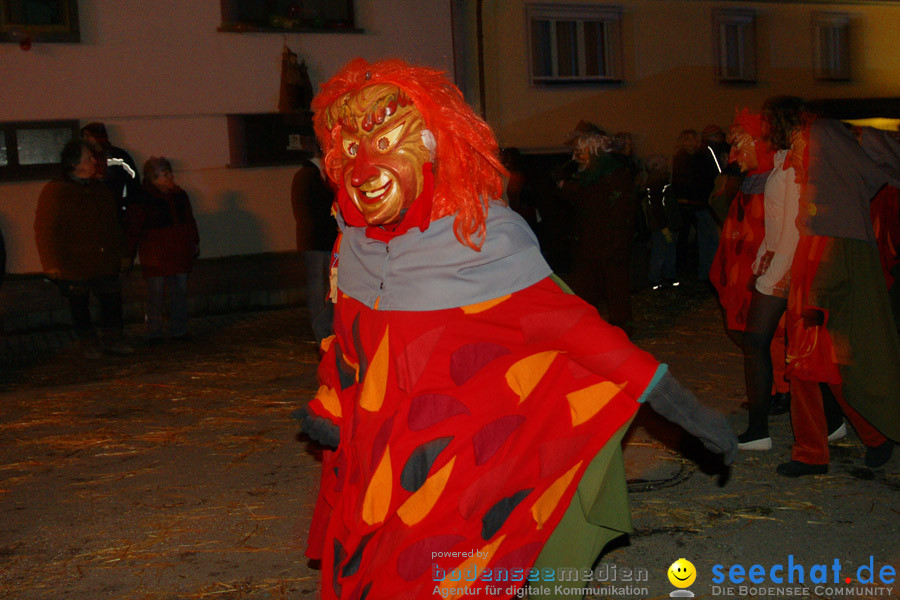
{"x":163,"y":231}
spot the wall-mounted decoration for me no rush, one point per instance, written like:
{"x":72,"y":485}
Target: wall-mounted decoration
{"x":296,"y":89}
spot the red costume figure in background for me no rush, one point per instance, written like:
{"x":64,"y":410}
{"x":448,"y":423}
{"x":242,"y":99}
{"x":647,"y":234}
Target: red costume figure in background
{"x":467,"y":395}
{"x":840,"y":329}
{"x":744,"y":227}
{"x":742,"y":233}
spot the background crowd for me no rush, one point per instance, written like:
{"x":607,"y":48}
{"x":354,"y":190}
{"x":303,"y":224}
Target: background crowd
{"x":791,"y":218}
{"x":95,"y":219}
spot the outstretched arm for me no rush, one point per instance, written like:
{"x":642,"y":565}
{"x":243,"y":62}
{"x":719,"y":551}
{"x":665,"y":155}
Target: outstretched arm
{"x":678,"y":404}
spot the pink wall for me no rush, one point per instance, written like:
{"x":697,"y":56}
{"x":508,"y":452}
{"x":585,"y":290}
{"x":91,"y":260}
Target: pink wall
{"x":162,"y":78}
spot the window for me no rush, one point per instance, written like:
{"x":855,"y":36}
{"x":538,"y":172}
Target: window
{"x":288,"y":15}
{"x":831,"y":46}
{"x":575,"y":43}
{"x":735,"y":36}
{"x":30,"y":150}
{"x":24,"y":21}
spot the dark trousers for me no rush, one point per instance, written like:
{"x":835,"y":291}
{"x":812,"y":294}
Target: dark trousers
{"x":762,"y":321}
{"x":108,"y":292}
{"x":602,"y":271}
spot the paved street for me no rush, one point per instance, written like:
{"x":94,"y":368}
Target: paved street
{"x":178,"y":472}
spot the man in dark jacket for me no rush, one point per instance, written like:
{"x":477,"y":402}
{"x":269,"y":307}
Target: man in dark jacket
{"x":709,"y":163}
{"x":311,"y":199}
{"x":115,"y":167}
{"x":81,"y":247}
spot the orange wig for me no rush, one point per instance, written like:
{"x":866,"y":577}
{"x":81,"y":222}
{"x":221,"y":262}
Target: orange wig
{"x":468,"y":171}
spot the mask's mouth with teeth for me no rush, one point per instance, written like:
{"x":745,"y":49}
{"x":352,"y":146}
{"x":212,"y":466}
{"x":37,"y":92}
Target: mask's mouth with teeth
{"x":372,"y":196}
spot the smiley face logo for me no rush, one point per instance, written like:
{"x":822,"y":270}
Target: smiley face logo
{"x":682,"y":573}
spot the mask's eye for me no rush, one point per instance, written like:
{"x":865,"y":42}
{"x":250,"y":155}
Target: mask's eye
{"x":388,"y":140}
{"x":350,"y":147}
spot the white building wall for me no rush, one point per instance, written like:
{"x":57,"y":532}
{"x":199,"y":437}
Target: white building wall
{"x":162,"y":78}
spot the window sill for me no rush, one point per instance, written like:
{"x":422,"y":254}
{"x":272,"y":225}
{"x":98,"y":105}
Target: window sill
{"x":244,"y":27}
{"x":556,"y":83}
{"x":738,"y":81}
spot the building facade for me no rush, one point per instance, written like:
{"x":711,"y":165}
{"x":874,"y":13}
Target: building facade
{"x":655,"y":67}
{"x":164,"y":78}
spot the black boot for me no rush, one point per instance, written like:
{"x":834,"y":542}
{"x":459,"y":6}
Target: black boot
{"x":795,"y":468}
{"x":876,"y":456}
{"x":779,"y":403}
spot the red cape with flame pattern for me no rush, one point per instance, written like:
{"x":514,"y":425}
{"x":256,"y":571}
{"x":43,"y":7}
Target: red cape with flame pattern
{"x":465,"y":433}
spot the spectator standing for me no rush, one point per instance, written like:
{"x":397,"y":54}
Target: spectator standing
{"x":518,"y":194}
{"x":728,"y":181}
{"x":708,"y":166}
{"x":683,"y":161}
{"x":663,"y":220}
{"x":115,"y":167}
{"x":311,"y":200}
{"x":162,"y":230}
{"x":81,"y":246}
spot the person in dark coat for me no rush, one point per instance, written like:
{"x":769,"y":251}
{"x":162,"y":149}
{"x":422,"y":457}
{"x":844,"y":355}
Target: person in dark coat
{"x":115,"y":167}
{"x":82,"y":248}
{"x":311,"y":199}
{"x":663,"y":220}
{"x":602,"y":192}
{"x":162,"y":229}
{"x":684,"y":160}
{"x":709,"y":164}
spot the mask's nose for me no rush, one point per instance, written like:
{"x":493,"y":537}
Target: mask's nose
{"x":363,"y":168}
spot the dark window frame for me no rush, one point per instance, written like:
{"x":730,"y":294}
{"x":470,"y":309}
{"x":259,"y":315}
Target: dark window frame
{"x":831,"y":46}
{"x":13,"y":170}
{"x":247,"y":16}
{"x":735,"y":39}
{"x":567,"y":61}
{"x":16,"y":28}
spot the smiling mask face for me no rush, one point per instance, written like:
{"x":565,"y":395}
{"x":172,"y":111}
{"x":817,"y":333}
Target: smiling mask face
{"x":382,"y":152}
{"x":743,"y":150}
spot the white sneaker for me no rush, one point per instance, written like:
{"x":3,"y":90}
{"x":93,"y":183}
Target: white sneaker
{"x":758,"y":444}
{"x":840,"y":432}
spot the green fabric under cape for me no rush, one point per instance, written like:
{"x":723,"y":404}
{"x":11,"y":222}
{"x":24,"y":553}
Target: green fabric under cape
{"x":850,"y":286}
{"x":597,"y":514}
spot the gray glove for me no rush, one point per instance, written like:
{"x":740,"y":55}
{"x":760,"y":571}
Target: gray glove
{"x":319,"y":429}
{"x":677,"y":404}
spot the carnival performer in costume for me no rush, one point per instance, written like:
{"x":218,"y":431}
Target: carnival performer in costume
{"x":744,"y":227}
{"x":770,"y":281}
{"x":840,"y":329}
{"x":742,"y":234}
{"x":601,"y":192}
{"x":470,"y":398}
{"x":884,"y":148}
